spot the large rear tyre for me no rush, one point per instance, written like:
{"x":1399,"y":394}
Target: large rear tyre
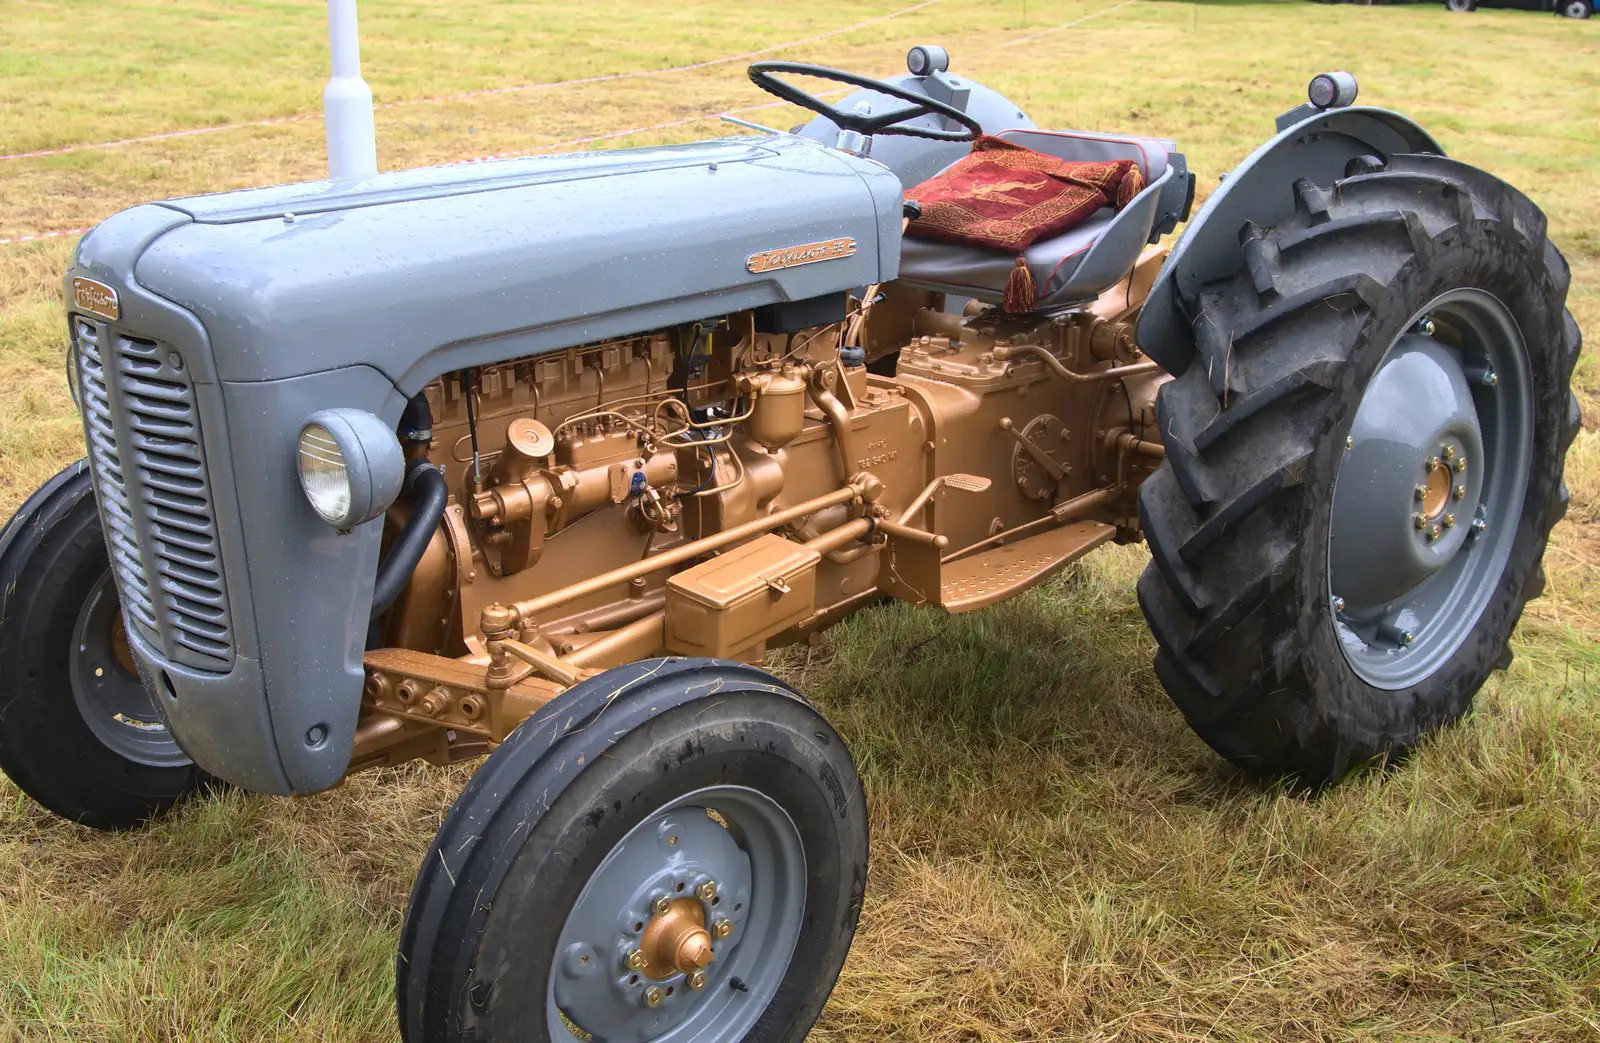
{"x":674,"y":850}
{"x":1362,"y":469}
{"x":79,"y":732}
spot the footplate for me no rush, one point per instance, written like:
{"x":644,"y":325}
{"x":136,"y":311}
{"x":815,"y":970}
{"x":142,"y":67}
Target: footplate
{"x":914,"y":573}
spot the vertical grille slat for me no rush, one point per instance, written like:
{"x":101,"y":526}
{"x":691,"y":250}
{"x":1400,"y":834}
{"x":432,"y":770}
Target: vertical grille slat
{"x":143,"y":431}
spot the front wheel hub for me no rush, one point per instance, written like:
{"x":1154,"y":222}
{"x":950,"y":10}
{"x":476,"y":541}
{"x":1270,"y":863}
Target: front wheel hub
{"x":686,"y":929}
{"x":676,"y":941}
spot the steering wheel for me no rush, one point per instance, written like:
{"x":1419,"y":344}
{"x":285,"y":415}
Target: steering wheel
{"x":761,"y":74}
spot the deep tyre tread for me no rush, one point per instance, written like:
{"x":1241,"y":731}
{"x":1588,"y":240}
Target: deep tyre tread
{"x":1237,"y":516}
{"x":547,"y":806}
{"x":52,"y":553}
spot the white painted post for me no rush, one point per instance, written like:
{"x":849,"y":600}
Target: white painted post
{"x":347,"y":100}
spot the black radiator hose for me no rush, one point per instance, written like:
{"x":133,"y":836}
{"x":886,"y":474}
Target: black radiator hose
{"x":428,"y":485}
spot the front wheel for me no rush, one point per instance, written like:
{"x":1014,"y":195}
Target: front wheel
{"x":79,"y":733}
{"x":1577,"y":8}
{"x":1362,"y":467}
{"x":674,"y":850}
{"x":1462,"y":6}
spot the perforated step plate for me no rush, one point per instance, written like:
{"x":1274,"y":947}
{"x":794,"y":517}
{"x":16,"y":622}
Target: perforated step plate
{"x":996,"y":574}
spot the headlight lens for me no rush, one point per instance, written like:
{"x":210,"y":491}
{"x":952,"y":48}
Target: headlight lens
{"x":351,"y":466}
{"x":324,"y":475}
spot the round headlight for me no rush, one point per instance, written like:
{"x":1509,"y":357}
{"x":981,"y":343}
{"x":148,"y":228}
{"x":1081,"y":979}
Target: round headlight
{"x":350,"y":464}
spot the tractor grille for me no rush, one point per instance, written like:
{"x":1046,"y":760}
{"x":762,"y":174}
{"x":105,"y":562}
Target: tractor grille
{"x":145,"y":453}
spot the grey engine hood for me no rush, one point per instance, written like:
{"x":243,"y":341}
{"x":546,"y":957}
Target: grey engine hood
{"x":423,"y":271}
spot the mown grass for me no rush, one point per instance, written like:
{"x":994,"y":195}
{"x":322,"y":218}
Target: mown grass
{"x":1055,"y":856}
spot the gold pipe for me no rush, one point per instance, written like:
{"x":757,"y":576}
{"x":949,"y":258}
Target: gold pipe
{"x":1007,"y":352}
{"x":1135,"y":444}
{"x":833,"y":539}
{"x":637,"y":640}
{"x":906,"y":532}
{"x":839,"y":420}
{"x":1080,"y":505}
{"x":921,"y":501}
{"x":610,"y":617}
{"x":1062,"y":513}
{"x":376,"y":731}
{"x":533,"y":607}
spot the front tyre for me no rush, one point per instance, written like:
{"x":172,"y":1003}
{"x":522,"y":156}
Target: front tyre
{"x":79,"y":733}
{"x":1577,"y":8}
{"x":674,"y":850}
{"x":1362,"y":469}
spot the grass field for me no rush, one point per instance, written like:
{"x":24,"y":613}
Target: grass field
{"x":1055,"y":857}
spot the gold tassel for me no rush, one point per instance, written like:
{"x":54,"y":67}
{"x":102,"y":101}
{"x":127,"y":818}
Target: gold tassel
{"x":1019,"y":289}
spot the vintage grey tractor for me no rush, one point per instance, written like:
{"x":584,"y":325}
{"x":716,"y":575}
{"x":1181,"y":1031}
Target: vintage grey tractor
{"x":535,"y":460}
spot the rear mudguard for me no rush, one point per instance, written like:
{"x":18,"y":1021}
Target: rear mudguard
{"x":1261,"y":189}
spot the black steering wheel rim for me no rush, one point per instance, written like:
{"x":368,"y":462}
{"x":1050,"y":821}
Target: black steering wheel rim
{"x":762,"y":75}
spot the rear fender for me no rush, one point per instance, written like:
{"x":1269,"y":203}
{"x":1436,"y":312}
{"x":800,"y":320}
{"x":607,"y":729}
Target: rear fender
{"x":1261,"y":190}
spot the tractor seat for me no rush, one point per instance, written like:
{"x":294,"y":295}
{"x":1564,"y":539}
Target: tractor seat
{"x":1072,"y":266}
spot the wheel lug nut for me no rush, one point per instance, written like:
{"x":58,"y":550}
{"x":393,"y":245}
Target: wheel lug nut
{"x":1461,"y":465}
{"x":723,"y":927}
{"x":1449,"y":521}
{"x":1433,"y":461}
{"x":1433,"y":534}
{"x":653,"y":996}
{"x":662,"y":905}
{"x":706,"y":891}
{"x":635,"y":960}
{"x":1425,"y":326}
{"x":1420,"y":521}
{"x":1459,"y":493}
{"x":1421,"y":492}
{"x":1449,"y":451}
{"x":1394,"y":635}
{"x":697,"y":980}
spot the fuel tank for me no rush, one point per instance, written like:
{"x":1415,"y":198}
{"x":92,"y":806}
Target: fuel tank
{"x":419,"y":272}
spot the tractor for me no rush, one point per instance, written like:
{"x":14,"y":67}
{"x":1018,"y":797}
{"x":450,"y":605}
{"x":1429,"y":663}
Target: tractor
{"x":534,"y":461}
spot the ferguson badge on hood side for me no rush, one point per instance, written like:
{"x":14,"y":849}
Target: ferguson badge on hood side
{"x":789,"y":256}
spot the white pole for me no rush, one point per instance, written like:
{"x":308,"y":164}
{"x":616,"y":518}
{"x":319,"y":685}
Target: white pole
{"x":347,"y":100}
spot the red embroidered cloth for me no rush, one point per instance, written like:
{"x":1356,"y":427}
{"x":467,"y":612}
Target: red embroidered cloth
{"x":1004,"y":196}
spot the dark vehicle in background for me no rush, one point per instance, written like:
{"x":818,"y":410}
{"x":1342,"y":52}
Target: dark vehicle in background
{"x":1567,"y":8}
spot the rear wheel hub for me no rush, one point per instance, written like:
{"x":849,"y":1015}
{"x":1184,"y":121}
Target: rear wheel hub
{"x":1428,"y":494}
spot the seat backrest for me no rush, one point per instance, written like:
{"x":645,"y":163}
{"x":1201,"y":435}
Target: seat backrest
{"x":1085,"y":147}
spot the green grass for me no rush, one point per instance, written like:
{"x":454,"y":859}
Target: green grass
{"x":1055,"y":856}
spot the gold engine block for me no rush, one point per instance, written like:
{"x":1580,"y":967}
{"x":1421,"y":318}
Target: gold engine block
{"x":717,"y":490}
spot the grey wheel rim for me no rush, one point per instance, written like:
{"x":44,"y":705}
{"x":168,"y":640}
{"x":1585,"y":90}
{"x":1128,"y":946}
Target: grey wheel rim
{"x":1430,"y":490}
{"x":111,"y":699}
{"x":743,"y":845}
